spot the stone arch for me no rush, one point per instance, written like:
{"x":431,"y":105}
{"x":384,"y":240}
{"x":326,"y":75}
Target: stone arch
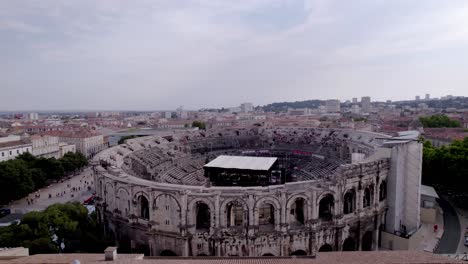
{"x":143,"y":207}
{"x":326,"y":248}
{"x":349,"y":244}
{"x":368,"y":196}
{"x":267,"y":212}
{"x":192,"y":212}
{"x":349,"y":201}
{"x":123,"y":204}
{"x":367,"y":241}
{"x":109,"y":196}
{"x":268,"y":255}
{"x":383,"y":190}
{"x":297,"y":213}
{"x":299,"y":252}
{"x":241,"y":212}
{"x":166,"y":213}
{"x":326,"y":206}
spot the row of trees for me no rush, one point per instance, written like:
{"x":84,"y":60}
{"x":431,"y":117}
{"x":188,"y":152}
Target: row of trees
{"x":439,"y":121}
{"x":63,"y":228}
{"x":199,"y":124}
{"x":26,"y":173}
{"x":446,"y":168}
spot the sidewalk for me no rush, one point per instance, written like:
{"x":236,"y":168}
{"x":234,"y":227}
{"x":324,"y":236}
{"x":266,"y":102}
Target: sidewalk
{"x":430,"y":239}
{"x":73,"y":189}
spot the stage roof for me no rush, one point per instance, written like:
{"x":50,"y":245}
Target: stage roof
{"x":242,"y":162}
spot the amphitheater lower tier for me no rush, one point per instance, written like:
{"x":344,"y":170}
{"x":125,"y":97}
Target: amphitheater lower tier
{"x":298,"y":218}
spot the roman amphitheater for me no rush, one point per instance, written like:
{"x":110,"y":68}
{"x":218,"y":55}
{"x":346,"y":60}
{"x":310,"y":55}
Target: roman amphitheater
{"x":330,"y":190}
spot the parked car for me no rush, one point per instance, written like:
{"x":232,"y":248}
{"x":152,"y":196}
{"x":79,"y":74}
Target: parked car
{"x":466,"y":237}
{"x":4,"y":212}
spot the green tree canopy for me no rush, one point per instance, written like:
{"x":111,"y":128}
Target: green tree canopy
{"x":439,"y":121}
{"x":43,"y":232}
{"x":199,"y":124}
{"x":446,"y":167}
{"x":26,"y":173}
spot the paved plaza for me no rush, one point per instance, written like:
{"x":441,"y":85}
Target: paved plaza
{"x":76,"y":188}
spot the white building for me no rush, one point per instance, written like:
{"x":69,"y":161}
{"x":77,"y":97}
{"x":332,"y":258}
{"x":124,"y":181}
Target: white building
{"x":355,"y":109}
{"x":45,"y":146}
{"x":366,"y":106}
{"x":87,"y":143}
{"x":332,"y":106}
{"x":13,"y":146}
{"x":246,"y":107}
{"x":33,"y":116}
{"x":64,"y":148}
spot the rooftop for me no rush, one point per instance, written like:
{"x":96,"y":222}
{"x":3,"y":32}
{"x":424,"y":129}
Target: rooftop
{"x":242,"y":162}
{"x":375,"y":257}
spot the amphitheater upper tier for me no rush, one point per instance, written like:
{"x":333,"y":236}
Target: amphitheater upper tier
{"x":304,"y":153}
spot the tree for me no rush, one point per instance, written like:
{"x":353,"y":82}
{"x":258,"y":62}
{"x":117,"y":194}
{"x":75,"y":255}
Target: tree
{"x":199,"y":124}
{"x":446,"y":167}
{"x":15,"y":180}
{"x":44,"y":232}
{"x":439,"y":121}
{"x":26,"y":173}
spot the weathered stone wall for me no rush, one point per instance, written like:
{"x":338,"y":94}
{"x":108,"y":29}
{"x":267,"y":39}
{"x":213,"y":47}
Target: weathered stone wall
{"x":171,"y":223}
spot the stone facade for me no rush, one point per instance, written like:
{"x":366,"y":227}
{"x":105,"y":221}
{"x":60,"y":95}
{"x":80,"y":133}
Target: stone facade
{"x":345,"y":210}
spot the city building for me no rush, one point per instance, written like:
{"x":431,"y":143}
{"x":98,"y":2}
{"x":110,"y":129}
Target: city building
{"x":87,"y":142}
{"x":65,"y":148}
{"x":33,"y":116}
{"x":417,"y":98}
{"x":366,"y":106}
{"x":246,"y":107}
{"x":13,"y":146}
{"x":45,"y":146}
{"x":332,"y":106}
{"x":428,"y":97}
{"x":355,"y":100}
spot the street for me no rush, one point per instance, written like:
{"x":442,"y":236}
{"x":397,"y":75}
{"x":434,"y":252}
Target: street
{"x":450,"y":240}
{"x":77,"y":188}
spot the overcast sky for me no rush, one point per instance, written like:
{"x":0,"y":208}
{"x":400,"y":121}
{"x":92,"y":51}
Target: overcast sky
{"x":150,"y":54}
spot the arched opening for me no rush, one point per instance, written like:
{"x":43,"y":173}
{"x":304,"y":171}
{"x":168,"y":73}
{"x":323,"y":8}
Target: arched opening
{"x":203,"y":216}
{"x":299,"y":253}
{"x":266,"y":216}
{"x":142,"y":249}
{"x":202,"y":255}
{"x":349,"y":202}
{"x":235,"y":214}
{"x":326,"y":248}
{"x":367,"y":199}
{"x":383,"y":191}
{"x":297,"y":211}
{"x":326,"y":207}
{"x":268,"y":255}
{"x":144,"y":207}
{"x":349,"y":244}
{"x":168,"y":253}
{"x":367,"y":241}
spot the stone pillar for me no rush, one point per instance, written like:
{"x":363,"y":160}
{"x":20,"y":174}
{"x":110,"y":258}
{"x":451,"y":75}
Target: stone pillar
{"x":252,"y":220}
{"x":314,"y":205}
{"x":283,"y":212}
{"x":183,"y":213}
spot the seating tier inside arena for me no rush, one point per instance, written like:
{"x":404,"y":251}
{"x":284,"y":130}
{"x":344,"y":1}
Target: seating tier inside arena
{"x":303,"y":153}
